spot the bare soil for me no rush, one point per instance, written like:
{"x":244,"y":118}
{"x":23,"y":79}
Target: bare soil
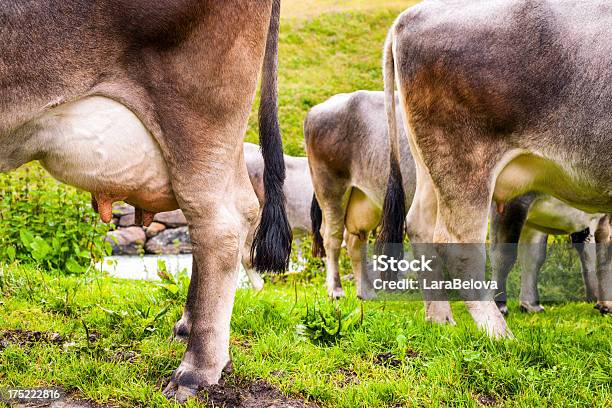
{"x":240,"y":394}
{"x":27,"y":338}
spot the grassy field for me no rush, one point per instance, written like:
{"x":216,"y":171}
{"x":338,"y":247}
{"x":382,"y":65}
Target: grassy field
{"x":112,"y":346}
{"x":107,"y":340}
{"x":311,"y":8}
{"x":337,"y":49}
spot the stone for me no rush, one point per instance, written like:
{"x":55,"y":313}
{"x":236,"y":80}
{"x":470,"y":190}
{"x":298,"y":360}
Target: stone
{"x":126,"y":241}
{"x":154,"y":229}
{"x":120,"y":210}
{"x":127,"y":220}
{"x":171,"y":219}
{"x":170,"y":241}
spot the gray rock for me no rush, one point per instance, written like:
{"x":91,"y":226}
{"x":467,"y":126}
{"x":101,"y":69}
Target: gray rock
{"x":170,"y":241}
{"x":126,"y":241}
{"x":127,"y":220}
{"x":120,"y":210}
{"x":171,"y":219}
{"x":154,"y":229}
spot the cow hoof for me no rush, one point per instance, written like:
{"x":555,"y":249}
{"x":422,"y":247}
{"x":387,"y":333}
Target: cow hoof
{"x":336,"y":293}
{"x":257,"y":287}
{"x":182,"y":386}
{"x":179,"y":393}
{"x":503,"y":308}
{"x":181,"y":330}
{"x":604,"y":307}
{"x":439,"y":313}
{"x":487,"y":317}
{"x":441,"y":320}
{"x":186,"y":381}
{"x":366,"y":295}
{"x":531,"y":308}
{"x":257,"y":282}
{"x":499,"y":331}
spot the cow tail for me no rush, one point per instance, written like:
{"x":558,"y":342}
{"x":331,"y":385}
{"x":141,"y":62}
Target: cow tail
{"x":316,"y":218}
{"x":394,"y":208}
{"x":272,"y":240}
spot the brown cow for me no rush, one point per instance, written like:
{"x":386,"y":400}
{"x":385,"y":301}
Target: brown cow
{"x":501,"y":98}
{"x":347,"y":145}
{"x":181,"y":74}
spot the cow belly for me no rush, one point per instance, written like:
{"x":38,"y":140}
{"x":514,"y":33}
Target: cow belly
{"x":552,"y":216}
{"x":98,"y":145}
{"x":528,"y":172}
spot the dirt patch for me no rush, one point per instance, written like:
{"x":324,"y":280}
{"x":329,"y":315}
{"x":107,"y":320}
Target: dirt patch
{"x":258,"y":394}
{"x":278,"y":373}
{"x":391,"y":360}
{"x":245,"y":344}
{"x":387,"y":360}
{"x":28,"y":338}
{"x":349,"y":377}
{"x":487,"y":400}
{"x":68,"y":403}
{"x":129,"y":356}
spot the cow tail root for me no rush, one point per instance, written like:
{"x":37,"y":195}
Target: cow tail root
{"x":391,"y":235}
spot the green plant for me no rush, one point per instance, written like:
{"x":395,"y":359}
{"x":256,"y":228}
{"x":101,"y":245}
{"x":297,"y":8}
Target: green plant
{"x":172,"y":287}
{"x":327,"y":326}
{"x":47,"y":222}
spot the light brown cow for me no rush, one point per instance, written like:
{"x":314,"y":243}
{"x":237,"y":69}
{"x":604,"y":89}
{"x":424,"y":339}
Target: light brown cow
{"x":182,"y":76}
{"x":347,"y":145}
{"x":501,"y":98}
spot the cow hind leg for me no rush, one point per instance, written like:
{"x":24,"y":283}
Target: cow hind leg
{"x":182,"y":328}
{"x":333,"y":199}
{"x":220,"y":205}
{"x":532,"y":254}
{"x":362,"y":216}
{"x":463,"y":206}
{"x":420,"y":224}
{"x":504,"y":235}
{"x":587,"y":252}
{"x":356,"y":248}
{"x":215,"y":285}
{"x":603,"y":239}
{"x":332,"y":238}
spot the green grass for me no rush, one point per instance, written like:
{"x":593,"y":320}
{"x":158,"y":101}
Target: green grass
{"x":310,"y":8}
{"x":560,"y":358}
{"x":325,"y":55}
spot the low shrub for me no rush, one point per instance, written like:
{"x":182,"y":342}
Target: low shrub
{"x":47,"y":222}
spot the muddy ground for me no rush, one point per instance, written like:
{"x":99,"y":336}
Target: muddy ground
{"x":228,"y":394}
{"x":232,"y":392}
